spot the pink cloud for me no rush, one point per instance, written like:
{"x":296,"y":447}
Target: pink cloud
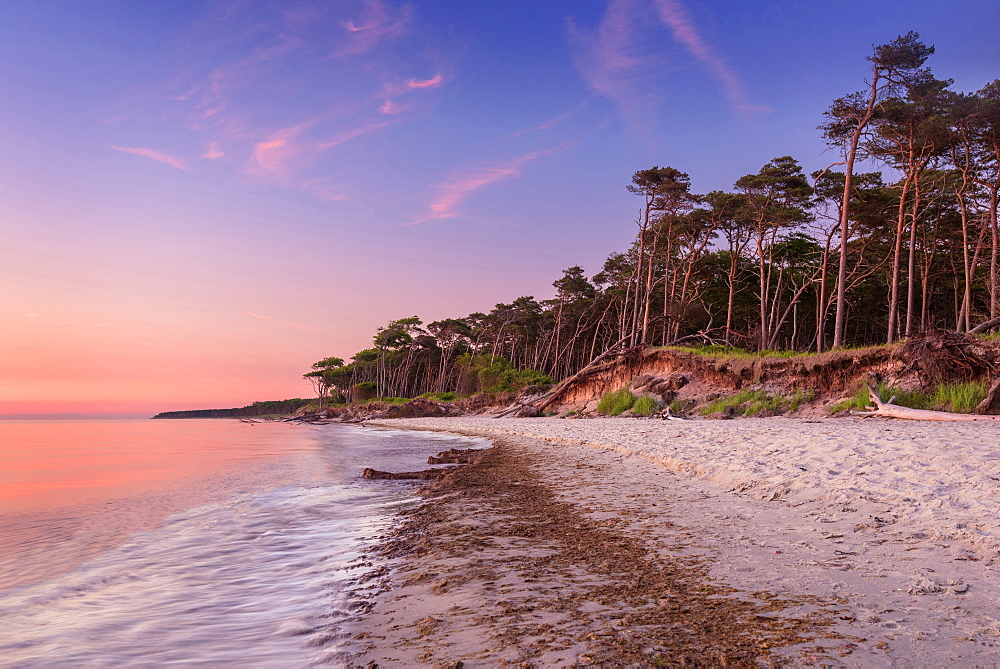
{"x":184,"y":96}
{"x":351,"y":134}
{"x":552,"y":122}
{"x":454,"y":191}
{"x":275,"y":154}
{"x":620,"y":60}
{"x":213,"y":152}
{"x":389,"y":107}
{"x":675,"y":16}
{"x":152,"y":154}
{"x":287,"y":151}
{"x":609,"y":59}
{"x":434,"y":82}
{"x":213,"y":95}
{"x":375,"y":24}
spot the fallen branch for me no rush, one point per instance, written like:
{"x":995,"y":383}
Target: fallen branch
{"x":540,"y":404}
{"x":890,"y":410}
{"x":983,"y":327}
{"x":703,"y":335}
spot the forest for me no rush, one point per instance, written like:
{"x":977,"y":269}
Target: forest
{"x":782,"y":261}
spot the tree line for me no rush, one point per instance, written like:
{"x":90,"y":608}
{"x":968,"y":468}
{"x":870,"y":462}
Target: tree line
{"x":783,"y":260}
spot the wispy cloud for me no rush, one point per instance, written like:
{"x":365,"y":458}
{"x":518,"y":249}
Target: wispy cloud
{"x":390,"y":107}
{"x":433,"y":82}
{"x":265,"y":92}
{"x":213,"y":152}
{"x":375,"y":24}
{"x":278,"y":320}
{"x":613,"y":62}
{"x":327,"y":189}
{"x":552,"y":122}
{"x":675,"y":16}
{"x":153,"y":154}
{"x":276,"y":154}
{"x":623,"y":59}
{"x":288,"y":151}
{"x":212,"y":96}
{"x":397,"y":88}
{"x":351,"y":134}
{"x":461,"y":185}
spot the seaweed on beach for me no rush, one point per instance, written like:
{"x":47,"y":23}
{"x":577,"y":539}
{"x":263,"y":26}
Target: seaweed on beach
{"x":584,"y":586}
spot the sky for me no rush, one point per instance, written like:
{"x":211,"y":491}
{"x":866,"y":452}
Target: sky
{"x":198,"y":200}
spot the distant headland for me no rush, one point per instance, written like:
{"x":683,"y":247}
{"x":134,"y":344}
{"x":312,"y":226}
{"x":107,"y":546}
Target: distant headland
{"x":282,"y":407}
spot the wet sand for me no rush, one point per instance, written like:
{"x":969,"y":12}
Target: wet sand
{"x":557,"y":550}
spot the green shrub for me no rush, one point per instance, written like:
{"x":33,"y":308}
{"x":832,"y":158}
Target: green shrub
{"x":364,"y":391}
{"x":645,"y":406}
{"x":795,"y":400}
{"x":732,"y":352}
{"x":482,"y":373}
{"x":386,"y":400}
{"x":858,"y":402}
{"x":758,"y":403}
{"x":613,"y":404}
{"x":915,"y":399}
{"x":735,"y":402}
{"x":959,"y":397}
{"x":447,"y":396}
{"x":681,"y":407}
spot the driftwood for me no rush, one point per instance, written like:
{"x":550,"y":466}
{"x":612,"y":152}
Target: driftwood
{"x":425,"y":475}
{"x":454,"y":456}
{"x":890,"y":410}
{"x":666,"y":415}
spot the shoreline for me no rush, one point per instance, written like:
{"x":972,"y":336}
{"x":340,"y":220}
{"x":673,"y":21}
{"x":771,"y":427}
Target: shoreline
{"x":478,"y":579}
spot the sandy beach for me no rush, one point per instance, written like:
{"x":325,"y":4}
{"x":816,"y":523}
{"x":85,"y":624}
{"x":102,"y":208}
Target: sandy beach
{"x":832,"y":542}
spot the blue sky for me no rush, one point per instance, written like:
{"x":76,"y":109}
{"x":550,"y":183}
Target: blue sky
{"x":210,"y":196}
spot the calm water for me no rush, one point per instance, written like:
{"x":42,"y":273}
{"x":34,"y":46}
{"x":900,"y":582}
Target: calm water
{"x":189,"y":541}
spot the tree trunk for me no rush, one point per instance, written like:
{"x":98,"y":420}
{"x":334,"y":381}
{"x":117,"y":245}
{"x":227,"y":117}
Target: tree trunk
{"x":911,"y":285}
{"x":897,"y":261}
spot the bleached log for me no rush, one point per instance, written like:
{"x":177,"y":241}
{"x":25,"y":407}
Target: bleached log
{"x":890,"y":410}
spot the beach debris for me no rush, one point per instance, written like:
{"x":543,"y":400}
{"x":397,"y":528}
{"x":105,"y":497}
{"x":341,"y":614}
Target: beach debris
{"x":666,"y":415}
{"x":454,"y":456}
{"x":425,"y":475}
{"x":890,"y":410}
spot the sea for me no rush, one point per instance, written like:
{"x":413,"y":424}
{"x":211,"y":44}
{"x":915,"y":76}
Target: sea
{"x":193,"y":542}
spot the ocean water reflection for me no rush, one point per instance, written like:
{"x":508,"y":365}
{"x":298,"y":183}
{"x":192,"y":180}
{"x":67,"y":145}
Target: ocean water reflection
{"x":260,"y":575}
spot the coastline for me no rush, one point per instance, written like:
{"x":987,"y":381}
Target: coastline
{"x":639,"y":542}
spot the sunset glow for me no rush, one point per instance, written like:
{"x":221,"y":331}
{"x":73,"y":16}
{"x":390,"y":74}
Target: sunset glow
{"x":199,"y":200}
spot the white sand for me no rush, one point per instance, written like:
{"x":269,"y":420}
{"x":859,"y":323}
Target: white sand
{"x":898,"y":521}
